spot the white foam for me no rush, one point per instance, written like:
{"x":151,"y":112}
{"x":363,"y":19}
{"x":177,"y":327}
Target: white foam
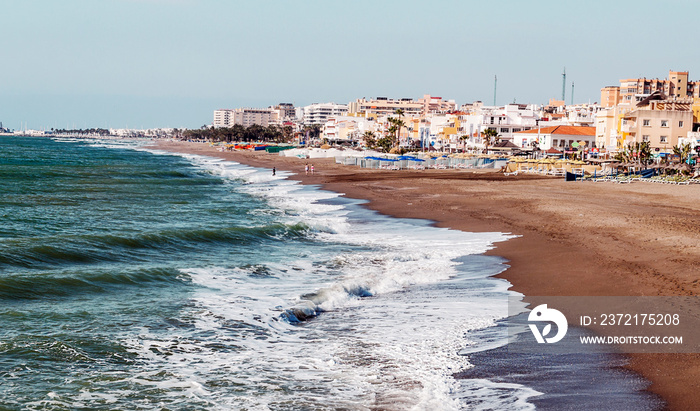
{"x":396,"y":312}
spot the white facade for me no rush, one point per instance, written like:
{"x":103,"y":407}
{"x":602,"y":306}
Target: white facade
{"x":318,"y":113}
{"x":348,"y":128}
{"x":248,"y":116}
{"x":223,"y":118}
{"x":506,"y":120}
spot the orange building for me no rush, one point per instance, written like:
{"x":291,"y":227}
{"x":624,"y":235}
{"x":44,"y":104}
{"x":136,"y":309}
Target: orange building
{"x":675,"y":86}
{"x":609,"y":96}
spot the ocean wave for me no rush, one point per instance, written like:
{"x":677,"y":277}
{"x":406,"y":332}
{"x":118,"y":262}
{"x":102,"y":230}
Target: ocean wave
{"x":27,"y":286}
{"x":85,"y":249}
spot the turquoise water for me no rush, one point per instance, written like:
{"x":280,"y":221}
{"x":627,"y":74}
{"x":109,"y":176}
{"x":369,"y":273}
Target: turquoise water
{"x":134,"y":279}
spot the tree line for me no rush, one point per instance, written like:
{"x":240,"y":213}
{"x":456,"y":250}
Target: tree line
{"x":238,"y":132}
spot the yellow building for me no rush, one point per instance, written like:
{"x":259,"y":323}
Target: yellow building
{"x":661,"y":123}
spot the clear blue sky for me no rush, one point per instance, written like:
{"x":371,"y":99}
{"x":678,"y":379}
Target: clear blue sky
{"x":170,"y":63}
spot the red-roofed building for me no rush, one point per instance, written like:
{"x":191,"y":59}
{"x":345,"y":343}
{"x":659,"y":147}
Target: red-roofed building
{"x":558,"y":137}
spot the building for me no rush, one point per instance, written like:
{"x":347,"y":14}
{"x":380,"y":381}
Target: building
{"x":559,"y":137}
{"x":607,"y":129}
{"x":223,"y":118}
{"x":675,"y":86}
{"x":383,"y":106}
{"x":656,"y":118}
{"x":662,"y":123}
{"x":506,"y":120}
{"x":610,"y":96}
{"x":245,"y":117}
{"x":273,"y":115}
{"x":436,"y":105}
{"x":285,"y":112}
{"x":348,"y":128}
{"x":318,"y":113}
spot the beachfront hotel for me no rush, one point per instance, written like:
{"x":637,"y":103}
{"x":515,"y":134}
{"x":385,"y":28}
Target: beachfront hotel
{"x":319,"y":113}
{"x":249,"y":116}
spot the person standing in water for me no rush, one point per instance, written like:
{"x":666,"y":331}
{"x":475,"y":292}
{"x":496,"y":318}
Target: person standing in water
{"x":312,"y":169}
{"x":274,"y":171}
{"x":306,"y":169}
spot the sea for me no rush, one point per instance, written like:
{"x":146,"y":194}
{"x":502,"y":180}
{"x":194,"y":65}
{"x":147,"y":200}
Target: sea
{"x":133,"y":278}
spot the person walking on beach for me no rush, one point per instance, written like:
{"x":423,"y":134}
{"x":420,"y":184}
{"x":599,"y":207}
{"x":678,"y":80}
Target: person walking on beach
{"x":312,"y":169}
{"x":274,"y":171}
{"x":306,"y":169}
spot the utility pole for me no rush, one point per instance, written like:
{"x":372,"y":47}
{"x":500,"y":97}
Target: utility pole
{"x":563,"y":86}
{"x":495,"y":82}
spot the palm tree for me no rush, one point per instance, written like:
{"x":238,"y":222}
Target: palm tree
{"x":399,"y":124}
{"x":641,"y":152}
{"x":392,"y":130}
{"x":369,"y":139}
{"x":682,"y":151}
{"x":399,"y":112}
{"x":489,"y":135}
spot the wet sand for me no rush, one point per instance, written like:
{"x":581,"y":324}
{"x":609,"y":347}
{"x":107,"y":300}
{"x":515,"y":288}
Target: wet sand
{"x":576,"y":238}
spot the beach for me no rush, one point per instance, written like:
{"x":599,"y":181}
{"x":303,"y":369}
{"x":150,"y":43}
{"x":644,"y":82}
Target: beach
{"x":575,"y":238}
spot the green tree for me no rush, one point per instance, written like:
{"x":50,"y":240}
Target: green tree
{"x":682,"y":151}
{"x":385,"y":144}
{"x":399,"y":123}
{"x":641,"y":152}
{"x":489,"y":135}
{"x":288,"y":133}
{"x":370,"y":140}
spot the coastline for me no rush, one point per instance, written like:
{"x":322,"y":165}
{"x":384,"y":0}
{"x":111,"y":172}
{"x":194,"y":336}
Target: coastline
{"x":637,"y":239}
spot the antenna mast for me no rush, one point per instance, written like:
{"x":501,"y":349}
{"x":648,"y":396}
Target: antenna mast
{"x":495,"y":82}
{"x":572,"y":93}
{"x":563,"y":86}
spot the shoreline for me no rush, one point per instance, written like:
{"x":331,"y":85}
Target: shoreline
{"x":637,"y":239}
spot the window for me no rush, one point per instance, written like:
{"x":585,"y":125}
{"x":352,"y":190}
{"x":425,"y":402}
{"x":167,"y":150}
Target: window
{"x":680,"y":124}
{"x":663,"y":139}
{"x":645,"y":137}
{"x":646,"y":123}
{"x":515,"y":130}
{"x":664,"y":123}
{"x":504,"y":130}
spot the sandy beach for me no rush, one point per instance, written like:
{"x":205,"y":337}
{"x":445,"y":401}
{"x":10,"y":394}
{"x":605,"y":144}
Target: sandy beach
{"x":575,"y":238}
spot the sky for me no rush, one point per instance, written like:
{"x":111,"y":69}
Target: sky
{"x":171,"y":63}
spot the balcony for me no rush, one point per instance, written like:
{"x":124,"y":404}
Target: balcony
{"x":628,"y":126}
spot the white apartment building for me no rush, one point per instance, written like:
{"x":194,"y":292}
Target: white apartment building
{"x":506,"y":120}
{"x":274,"y":115}
{"x":245,"y":117}
{"x":348,"y":128}
{"x":318,"y":113}
{"x":223,"y":118}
